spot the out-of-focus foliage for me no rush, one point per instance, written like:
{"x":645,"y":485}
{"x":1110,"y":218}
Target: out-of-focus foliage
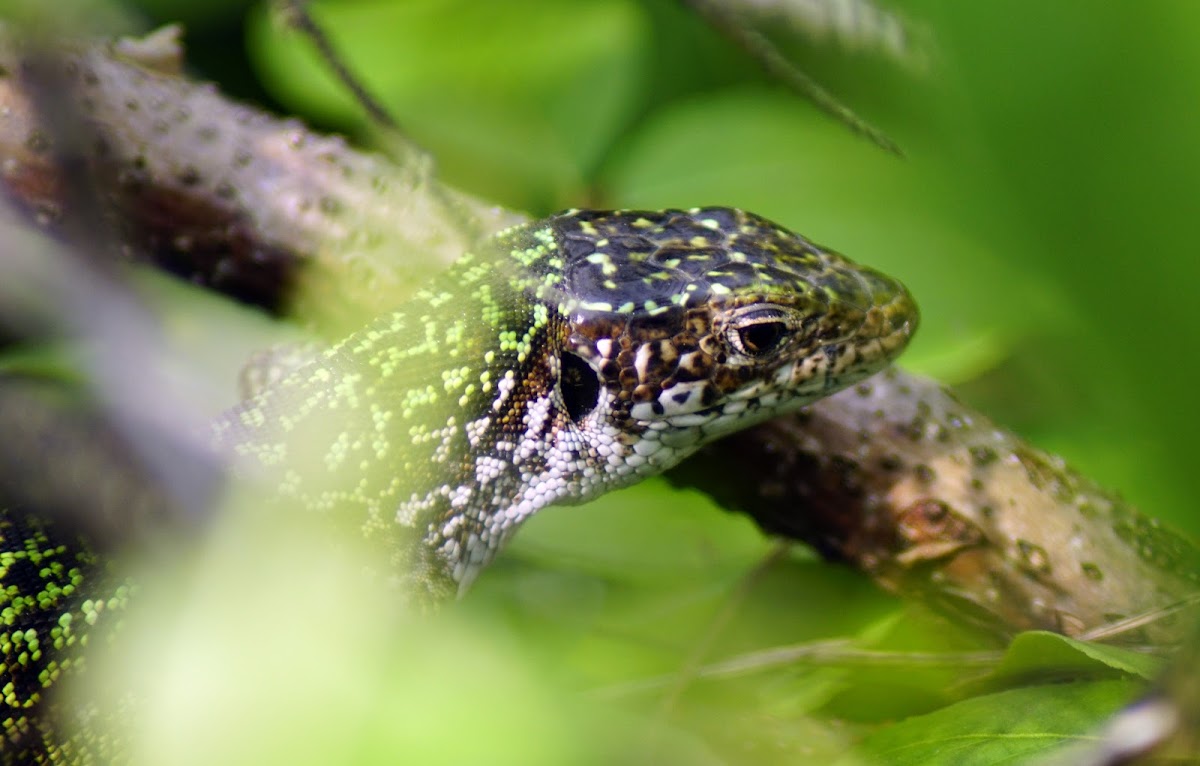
{"x":1008,"y":727}
{"x":1044,"y":220}
{"x":1037,"y":652}
{"x":522,"y":100}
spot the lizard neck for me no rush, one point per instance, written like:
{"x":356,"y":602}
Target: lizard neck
{"x":436,"y":431}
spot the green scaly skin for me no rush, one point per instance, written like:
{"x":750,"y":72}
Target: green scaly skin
{"x":568,"y":357}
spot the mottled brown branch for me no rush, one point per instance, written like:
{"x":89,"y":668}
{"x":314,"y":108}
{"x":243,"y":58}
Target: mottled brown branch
{"x":933,"y":500}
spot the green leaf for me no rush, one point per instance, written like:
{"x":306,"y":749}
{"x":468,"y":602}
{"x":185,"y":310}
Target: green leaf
{"x":1044,"y":656}
{"x":627,"y":586}
{"x":1007,"y":727}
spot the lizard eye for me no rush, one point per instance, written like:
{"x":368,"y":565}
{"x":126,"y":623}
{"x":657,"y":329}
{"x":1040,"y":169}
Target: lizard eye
{"x":758,"y":332}
{"x":580,"y":386}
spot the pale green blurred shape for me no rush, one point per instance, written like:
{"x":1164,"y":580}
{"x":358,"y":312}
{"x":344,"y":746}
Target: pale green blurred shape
{"x":271,"y":646}
{"x":1037,"y":653}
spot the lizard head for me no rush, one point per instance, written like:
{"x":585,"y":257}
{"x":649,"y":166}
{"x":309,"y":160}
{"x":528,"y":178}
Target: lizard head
{"x":682,"y":326}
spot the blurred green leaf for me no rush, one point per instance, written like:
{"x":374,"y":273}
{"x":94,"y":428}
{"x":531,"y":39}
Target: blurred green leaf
{"x":633,"y":581}
{"x":1007,"y":727}
{"x":649,"y":533}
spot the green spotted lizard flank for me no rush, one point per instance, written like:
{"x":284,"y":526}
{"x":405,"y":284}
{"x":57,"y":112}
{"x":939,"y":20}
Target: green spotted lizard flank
{"x":568,"y":357}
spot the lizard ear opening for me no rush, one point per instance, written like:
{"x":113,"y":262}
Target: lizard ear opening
{"x":579,"y":384}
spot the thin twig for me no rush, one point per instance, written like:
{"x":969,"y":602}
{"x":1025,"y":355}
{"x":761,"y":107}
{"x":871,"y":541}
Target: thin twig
{"x":835,"y":652}
{"x":777,"y":65}
{"x":296,"y":14}
{"x":1113,"y":629}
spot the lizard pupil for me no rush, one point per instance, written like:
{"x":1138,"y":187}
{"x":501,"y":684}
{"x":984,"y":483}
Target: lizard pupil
{"x":579,"y":385}
{"x":763,"y":337}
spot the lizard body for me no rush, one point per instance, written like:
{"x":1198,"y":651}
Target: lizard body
{"x":566,"y":357}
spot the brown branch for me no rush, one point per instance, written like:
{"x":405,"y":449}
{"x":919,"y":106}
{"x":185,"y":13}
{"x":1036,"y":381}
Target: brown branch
{"x":935,"y":501}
